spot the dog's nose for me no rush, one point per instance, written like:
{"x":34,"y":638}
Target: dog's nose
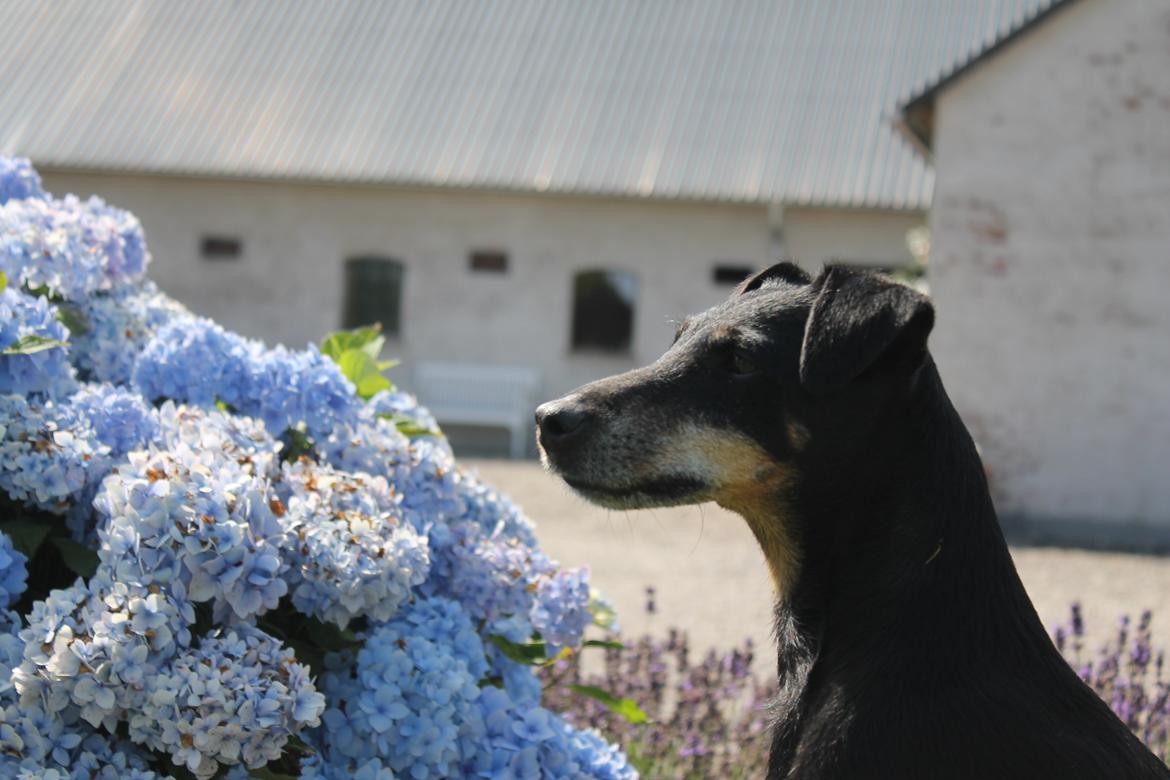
{"x":560,"y":419}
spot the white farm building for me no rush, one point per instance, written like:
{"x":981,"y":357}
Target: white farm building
{"x":527,"y":193}
{"x":1050,"y":265}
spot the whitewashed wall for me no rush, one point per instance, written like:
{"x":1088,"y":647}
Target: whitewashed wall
{"x":1051,"y":264}
{"x":288,"y":285}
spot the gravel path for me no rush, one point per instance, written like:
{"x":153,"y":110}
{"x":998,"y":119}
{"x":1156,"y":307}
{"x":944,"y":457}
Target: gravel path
{"x":711,"y":579}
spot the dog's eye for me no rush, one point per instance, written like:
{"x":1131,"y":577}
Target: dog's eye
{"x":741,"y":364}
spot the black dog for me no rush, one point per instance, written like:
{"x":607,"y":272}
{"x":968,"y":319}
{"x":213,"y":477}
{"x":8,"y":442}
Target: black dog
{"x":907,"y":645}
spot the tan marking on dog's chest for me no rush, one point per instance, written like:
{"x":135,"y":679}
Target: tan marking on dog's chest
{"x":749,"y":482}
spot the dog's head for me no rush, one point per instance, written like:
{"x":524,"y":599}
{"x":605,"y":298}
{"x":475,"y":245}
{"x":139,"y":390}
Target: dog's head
{"x":782,"y":384}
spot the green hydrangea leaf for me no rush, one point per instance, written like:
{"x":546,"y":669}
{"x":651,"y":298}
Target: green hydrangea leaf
{"x":78,"y":558}
{"x":26,"y":535}
{"x":368,"y":339}
{"x":72,"y":318}
{"x":27,"y":345}
{"x":605,"y":643}
{"x":408,"y":426}
{"x":362,"y":370}
{"x":626,"y":708}
{"x":528,"y":653}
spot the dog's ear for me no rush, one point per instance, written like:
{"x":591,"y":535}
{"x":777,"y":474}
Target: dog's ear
{"x":788,"y":272}
{"x":857,"y":320}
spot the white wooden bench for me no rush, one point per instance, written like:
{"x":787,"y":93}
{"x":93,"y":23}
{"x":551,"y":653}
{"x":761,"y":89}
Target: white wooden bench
{"x":481,"y":394}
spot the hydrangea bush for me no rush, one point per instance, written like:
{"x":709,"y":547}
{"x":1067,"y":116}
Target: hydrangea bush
{"x":219,"y":558}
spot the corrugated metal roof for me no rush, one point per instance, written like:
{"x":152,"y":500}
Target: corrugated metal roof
{"x":916,"y":111}
{"x":786,"y":101}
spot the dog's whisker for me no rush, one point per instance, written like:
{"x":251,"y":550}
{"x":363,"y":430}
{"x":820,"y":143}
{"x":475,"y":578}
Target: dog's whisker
{"x":702,"y":526}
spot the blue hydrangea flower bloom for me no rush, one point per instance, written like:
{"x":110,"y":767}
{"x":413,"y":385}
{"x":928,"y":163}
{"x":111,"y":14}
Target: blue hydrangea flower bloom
{"x":367,"y":444}
{"x":343,"y":768}
{"x":197,"y":362}
{"x":490,"y":577}
{"x":116,"y":327}
{"x":184,"y":514}
{"x":96,"y":646}
{"x":237,"y":699}
{"x":24,"y":317}
{"x":49,"y":453}
{"x":352,"y":552}
{"x":18,"y":180}
{"x":410,"y":698}
{"x":121,"y":420}
{"x":561,"y":610}
{"x":290,"y":388}
{"x":524,"y":741}
{"x":71,"y":247}
{"x":189,"y":504}
{"x":493,"y":512}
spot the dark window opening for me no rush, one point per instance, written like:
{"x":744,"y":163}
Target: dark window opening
{"x":603,"y":310}
{"x":220,"y":248}
{"x":373,"y":293}
{"x":731,"y":274}
{"x":488,"y":260}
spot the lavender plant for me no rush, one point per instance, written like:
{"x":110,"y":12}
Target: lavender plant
{"x":219,"y":558}
{"x":689,"y":719}
{"x":1127,"y":671}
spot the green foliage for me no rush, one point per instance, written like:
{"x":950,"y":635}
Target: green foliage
{"x":602,"y":612}
{"x":80,"y":560}
{"x":27,"y":534}
{"x":368,"y":339}
{"x":54,"y":559}
{"x":626,"y":708}
{"x":531,"y":653}
{"x":356,"y":353}
{"x":27,"y":345}
{"x":535,"y":653}
{"x":72,"y":318}
{"x":3,"y":281}
{"x":309,"y":638}
{"x":297,"y":444}
{"x":408,"y":426}
{"x":362,"y":370}
{"x":264,"y":773}
{"x":605,"y":644}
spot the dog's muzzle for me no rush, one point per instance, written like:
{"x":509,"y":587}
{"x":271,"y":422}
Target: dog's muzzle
{"x":561,"y":425}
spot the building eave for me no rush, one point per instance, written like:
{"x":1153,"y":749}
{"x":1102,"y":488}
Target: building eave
{"x":915,"y":120}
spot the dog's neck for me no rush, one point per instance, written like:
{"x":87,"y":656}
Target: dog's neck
{"x":892,"y":556}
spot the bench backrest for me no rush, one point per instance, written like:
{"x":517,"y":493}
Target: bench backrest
{"x":476,"y":392}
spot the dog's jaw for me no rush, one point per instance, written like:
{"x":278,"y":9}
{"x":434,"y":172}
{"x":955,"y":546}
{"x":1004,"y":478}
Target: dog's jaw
{"x":665,"y":491}
{"x":692,"y":463}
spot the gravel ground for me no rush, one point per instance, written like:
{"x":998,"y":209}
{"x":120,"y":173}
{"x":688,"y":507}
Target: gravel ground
{"x":711,"y":579}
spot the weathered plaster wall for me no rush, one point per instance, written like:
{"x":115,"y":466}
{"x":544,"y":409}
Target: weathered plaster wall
{"x":878,"y":238}
{"x":1051,"y":263}
{"x":288,"y":286}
